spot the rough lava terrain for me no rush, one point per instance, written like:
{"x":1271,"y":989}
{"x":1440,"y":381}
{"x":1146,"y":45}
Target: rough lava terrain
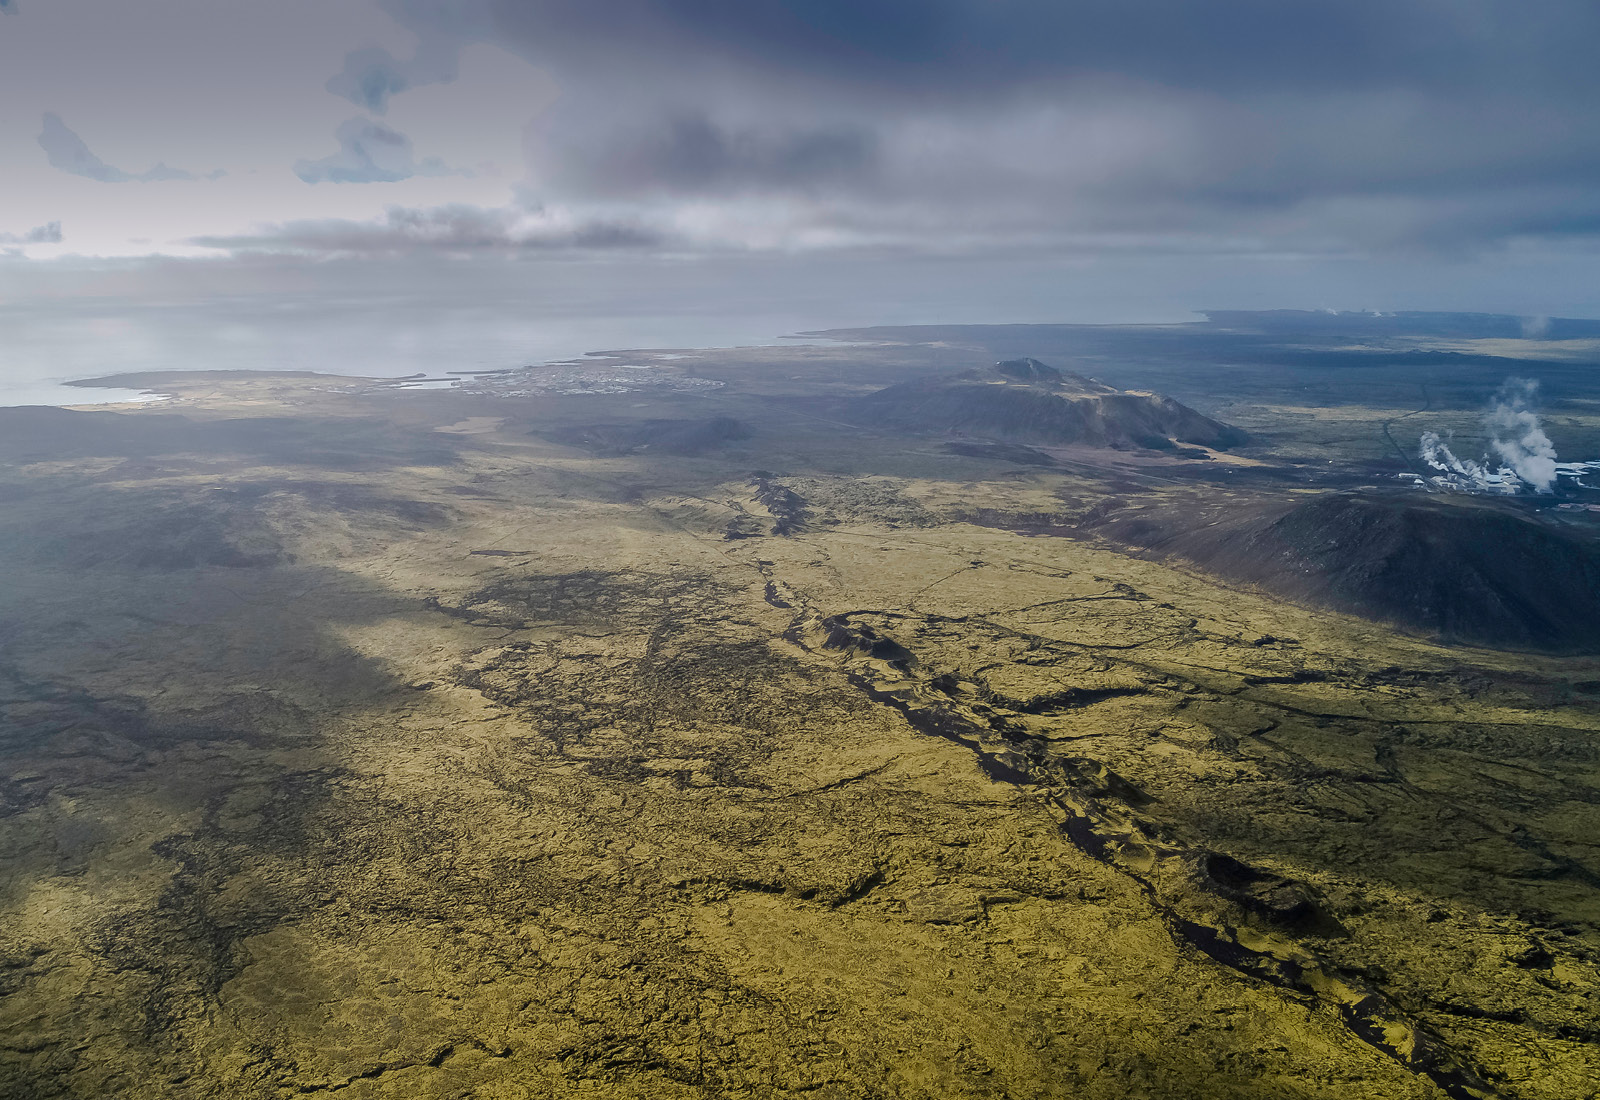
{"x":425,"y":745}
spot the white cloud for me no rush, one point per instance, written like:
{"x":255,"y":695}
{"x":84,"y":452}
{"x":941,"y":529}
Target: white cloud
{"x":66,"y":150}
{"x":49,"y":233}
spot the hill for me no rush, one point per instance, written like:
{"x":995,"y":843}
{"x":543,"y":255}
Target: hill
{"x":1026,"y":401}
{"x":1461,"y":569}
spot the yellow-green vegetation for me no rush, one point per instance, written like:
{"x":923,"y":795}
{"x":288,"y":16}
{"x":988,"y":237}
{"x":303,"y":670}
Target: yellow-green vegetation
{"x":381,"y":744}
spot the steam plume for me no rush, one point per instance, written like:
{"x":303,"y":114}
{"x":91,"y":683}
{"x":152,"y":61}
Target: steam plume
{"x":1527,"y":457}
{"x":1437,"y":453}
{"x":1518,"y":439}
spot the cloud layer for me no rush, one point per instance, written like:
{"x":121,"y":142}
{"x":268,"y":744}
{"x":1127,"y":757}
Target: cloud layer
{"x":1335,"y":129}
{"x":1322,"y":125}
{"x":458,"y":229}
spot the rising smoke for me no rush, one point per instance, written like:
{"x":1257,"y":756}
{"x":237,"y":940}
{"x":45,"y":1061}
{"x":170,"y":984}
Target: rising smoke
{"x":1527,"y":458}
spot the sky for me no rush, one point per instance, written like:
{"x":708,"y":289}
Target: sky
{"x":794,"y":161}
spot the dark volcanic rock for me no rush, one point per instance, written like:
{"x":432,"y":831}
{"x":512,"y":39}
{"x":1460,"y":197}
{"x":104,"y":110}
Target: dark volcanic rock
{"x":1463,"y":569}
{"x":1019,"y":453}
{"x":1026,"y":401}
{"x":676,"y":437}
{"x":788,"y":508}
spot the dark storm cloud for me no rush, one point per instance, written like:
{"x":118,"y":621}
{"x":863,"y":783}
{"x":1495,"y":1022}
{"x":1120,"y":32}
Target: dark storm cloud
{"x":956,"y":48}
{"x":67,"y":151}
{"x":458,"y":228}
{"x":693,"y":153}
{"x":370,"y":152}
{"x":1322,"y":125}
{"x":39,"y":234}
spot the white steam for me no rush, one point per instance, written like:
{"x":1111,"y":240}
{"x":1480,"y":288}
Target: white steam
{"x":1527,"y":458}
{"x":1518,"y":439}
{"x":1463,"y":473}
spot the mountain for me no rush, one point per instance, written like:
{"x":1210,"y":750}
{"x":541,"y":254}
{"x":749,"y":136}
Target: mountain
{"x":1027,"y":401}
